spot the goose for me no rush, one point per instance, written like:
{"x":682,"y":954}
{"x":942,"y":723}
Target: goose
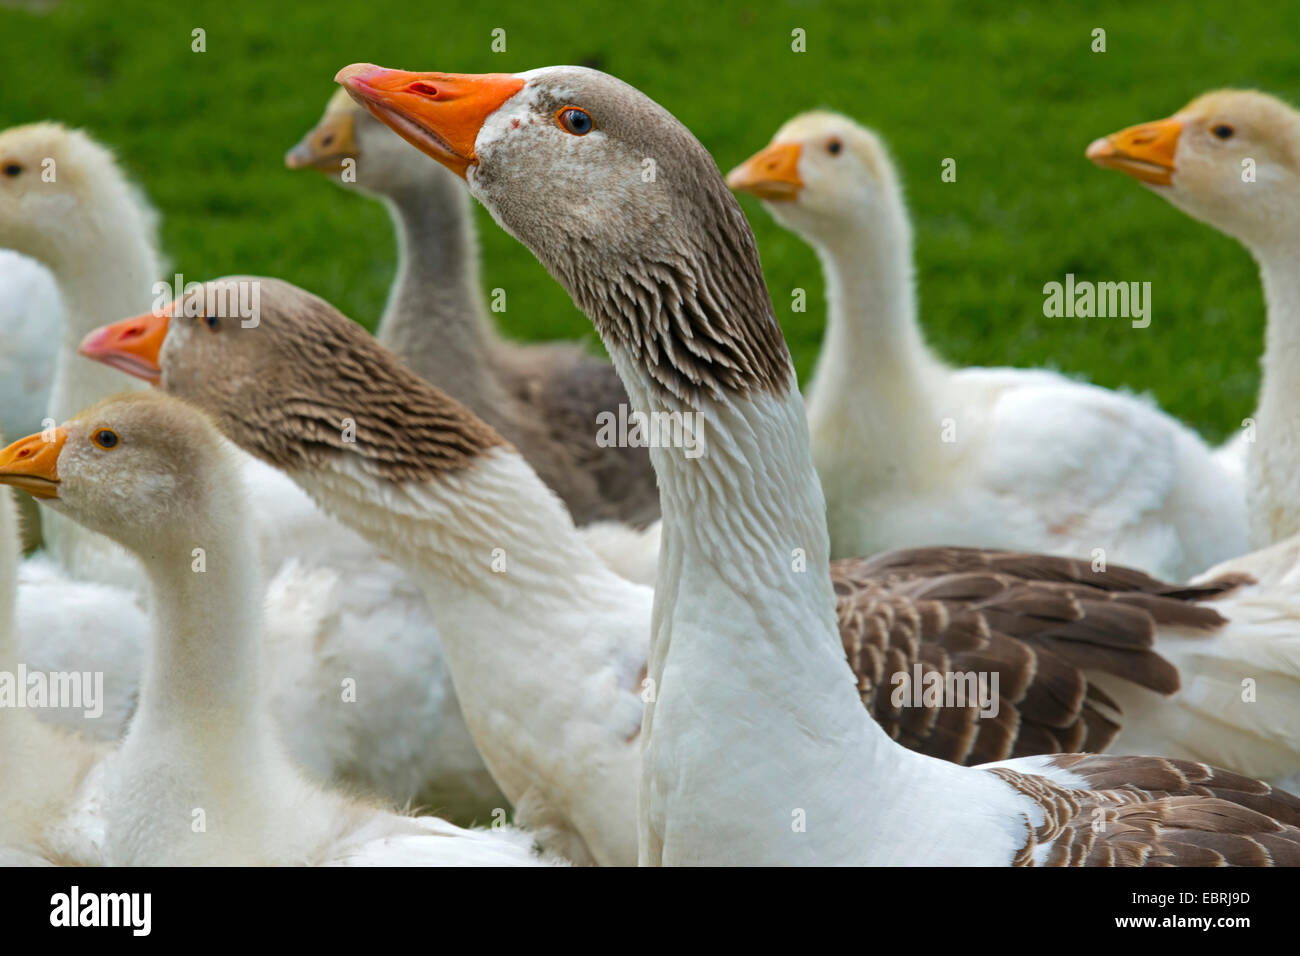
{"x":545,"y":399}
{"x":363,"y":695}
{"x":912,"y":451}
{"x":65,"y":204}
{"x":556,"y":716}
{"x":756,"y":749}
{"x":1231,"y":158}
{"x":201,"y":777}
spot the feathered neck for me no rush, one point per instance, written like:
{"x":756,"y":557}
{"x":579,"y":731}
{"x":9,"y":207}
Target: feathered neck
{"x":436,"y":319}
{"x":111,"y":281}
{"x":743,"y":632}
{"x":545,"y":645}
{"x":1273,"y":465}
{"x":203,"y":673}
{"x":875,"y":383}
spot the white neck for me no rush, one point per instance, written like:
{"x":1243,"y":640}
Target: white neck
{"x":875,"y":379}
{"x":435,"y":319}
{"x":544,"y":644}
{"x":201,"y":739}
{"x":113,"y":281}
{"x":1274,"y":458}
{"x":758,"y":715}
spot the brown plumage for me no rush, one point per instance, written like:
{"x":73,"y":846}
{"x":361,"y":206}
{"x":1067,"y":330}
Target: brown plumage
{"x":263,"y":385}
{"x":1039,"y":622}
{"x":1151,"y":811}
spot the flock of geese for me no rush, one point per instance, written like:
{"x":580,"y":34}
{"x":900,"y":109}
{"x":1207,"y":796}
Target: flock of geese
{"x":386,"y":600}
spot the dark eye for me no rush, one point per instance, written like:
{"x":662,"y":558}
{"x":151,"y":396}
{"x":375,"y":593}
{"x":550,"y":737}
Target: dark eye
{"x":212,"y":322}
{"x":13,"y":169}
{"x":834,"y":147}
{"x":105,"y":438}
{"x":1223,"y":131}
{"x":574,"y":120}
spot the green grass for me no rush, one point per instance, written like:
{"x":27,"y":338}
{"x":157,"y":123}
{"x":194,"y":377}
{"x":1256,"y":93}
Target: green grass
{"x":1014,"y":94}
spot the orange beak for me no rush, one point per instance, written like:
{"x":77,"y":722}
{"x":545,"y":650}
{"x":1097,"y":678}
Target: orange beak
{"x":772,"y":174}
{"x":326,"y":145}
{"x":1145,"y":152}
{"x":32,"y":463}
{"x":131,"y":345}
{"x":438,"y":113}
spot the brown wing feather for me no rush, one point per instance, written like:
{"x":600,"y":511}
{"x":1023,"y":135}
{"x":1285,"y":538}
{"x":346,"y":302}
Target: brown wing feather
{"x":1151,"y":811}
{"x":1039,"y":622}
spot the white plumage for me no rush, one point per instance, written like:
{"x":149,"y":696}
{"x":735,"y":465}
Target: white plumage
{"x":912,"y":452}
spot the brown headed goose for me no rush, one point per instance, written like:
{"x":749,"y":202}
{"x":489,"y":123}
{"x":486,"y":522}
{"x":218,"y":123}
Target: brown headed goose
{"x":1231,"y":158}
{"x":756,"y":749}
{"x":545,"y":399}
{"x":548,"y":649}
{"x":337,"y":610}
{"x":1018,"y":466}
{"x":201,"y":777}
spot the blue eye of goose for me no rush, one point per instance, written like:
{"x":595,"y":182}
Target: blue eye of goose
{"x":574,"y":120}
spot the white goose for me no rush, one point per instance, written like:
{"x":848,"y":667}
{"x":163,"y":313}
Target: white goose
{"x":201,"y":777}
{"x":913,"y":452}
{"x":1232,"y":159}
{"x":338,"y":612}
{"x":756,"y":747}
{"x":544,"y":398}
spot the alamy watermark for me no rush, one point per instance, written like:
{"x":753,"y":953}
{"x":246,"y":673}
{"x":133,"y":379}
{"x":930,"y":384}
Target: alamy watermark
{"x":230,"y":299}
{"x":933,"y":688}
{"x":631,"y":429}
{"x":62,"y":690}
{"x":1084,"y":300}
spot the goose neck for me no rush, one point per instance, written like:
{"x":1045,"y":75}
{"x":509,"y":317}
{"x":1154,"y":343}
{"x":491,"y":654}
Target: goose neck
{"x":744,"y":636}
{"x":544,"y":644}
{"x":114,"y":282}
{"x":436,"y":319}
{"x":872,"y":349}
{"x":203,"y":673}
{"x":1273,"y":467}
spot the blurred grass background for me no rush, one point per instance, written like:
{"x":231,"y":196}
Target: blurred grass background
{"x":1013,"y":92}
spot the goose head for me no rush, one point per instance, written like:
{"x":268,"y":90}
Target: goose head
{"x":1230,"y":158}
{"x":303,"y":387}
{"x":384,"y":164}
{"x":61,"y":194}
{"x":135,"y":467}
{"x":615,"y":197}
{"x":821,"y":176}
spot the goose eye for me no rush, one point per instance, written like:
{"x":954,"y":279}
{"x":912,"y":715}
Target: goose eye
{"x":212,"y":322}
{"x":574,"y":120}
{"x":1223,"y":131}
{"x":105,"y":438}
{"x":834,"y":147}
{"x":12,"y":169}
